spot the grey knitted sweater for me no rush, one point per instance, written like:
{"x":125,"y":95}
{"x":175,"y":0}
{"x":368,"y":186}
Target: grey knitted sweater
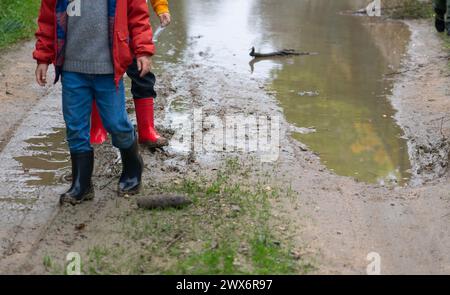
{"x":87,"y":42}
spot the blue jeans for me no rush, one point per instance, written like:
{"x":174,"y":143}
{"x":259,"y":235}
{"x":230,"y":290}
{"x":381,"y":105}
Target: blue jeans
{"x":78,"y":92}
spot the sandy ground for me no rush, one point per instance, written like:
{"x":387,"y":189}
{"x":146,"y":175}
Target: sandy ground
{"x":337,"y":220}
{"x":18,"y":95}
{"x":421,"y":98}
{"x":406,"y":226}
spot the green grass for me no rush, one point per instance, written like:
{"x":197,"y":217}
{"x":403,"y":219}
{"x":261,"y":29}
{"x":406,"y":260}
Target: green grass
{"x":263,"y":257}
{"x":407,"y":9}
{"x":17,"y":20}
{"x":51,"y":265}
{"x":47,"y":261}
{"x":229,"y":229}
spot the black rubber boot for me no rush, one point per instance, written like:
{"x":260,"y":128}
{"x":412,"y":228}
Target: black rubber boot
{"x":439,"y":21}
{"x":82,"y":188}
{"x":132,"y":166}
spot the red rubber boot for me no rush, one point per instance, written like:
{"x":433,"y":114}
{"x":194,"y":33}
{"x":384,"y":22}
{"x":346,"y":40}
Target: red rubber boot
{"x":146,"y":126}
{"x":98,"y":132}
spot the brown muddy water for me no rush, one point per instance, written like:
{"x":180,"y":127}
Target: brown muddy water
{"x":48,"y":158}
{"x":342,"y":93}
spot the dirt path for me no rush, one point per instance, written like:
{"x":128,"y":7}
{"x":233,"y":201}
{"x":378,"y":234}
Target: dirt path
{"x":421,"y":98}
{"x":406,"y":226}
{"x":27,"y":111}
{"x":335,"y":220}
{"x":18,"y":94}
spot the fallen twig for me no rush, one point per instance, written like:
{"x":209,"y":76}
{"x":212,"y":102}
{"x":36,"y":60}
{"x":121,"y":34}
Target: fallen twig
{"x":106,"y":184}
{"x":398,"y":72}
{"x":284,"y":52}
{"x":178,"y":237}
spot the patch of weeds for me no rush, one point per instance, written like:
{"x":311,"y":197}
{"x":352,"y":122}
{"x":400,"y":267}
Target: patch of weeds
{"x":50,"y":265}
{"x":407,"y":9}
{"x":213,"y":260}
{"x":225,"y":231}
{"x":268,"y":257}
{"x":47,"y":262}
{"x":97,"y":263}
{"x":17,"y":20}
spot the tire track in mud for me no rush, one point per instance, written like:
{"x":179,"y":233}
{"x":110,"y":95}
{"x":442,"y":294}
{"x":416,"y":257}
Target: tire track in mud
{"x":25,"y":209}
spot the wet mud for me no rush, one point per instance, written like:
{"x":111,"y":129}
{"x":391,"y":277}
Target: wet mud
{"x":338,"y":219}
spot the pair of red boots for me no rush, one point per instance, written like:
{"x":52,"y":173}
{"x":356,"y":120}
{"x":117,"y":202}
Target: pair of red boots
{"x":145,"y":122}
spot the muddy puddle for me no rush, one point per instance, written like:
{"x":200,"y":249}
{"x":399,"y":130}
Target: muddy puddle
{"x":341,"y":93}
{"x":47,"y":158}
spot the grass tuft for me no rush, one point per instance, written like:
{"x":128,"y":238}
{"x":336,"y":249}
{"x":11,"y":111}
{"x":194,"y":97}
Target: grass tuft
{"x":229,"y":229}
{"x":407,"y":9}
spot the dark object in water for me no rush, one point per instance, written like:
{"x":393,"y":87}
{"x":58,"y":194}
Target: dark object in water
{"x":163,"y":201}
{"x":284,"y":52}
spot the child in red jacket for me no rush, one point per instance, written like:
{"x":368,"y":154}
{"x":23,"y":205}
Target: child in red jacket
{"x":91,"y":44}
{"x":142,"y":89}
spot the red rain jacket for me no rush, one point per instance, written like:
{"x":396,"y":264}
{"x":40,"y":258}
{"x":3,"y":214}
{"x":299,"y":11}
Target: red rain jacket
{"x":132,"y":34}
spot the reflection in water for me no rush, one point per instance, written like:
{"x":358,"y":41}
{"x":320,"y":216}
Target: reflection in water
{"x":173,"y":41}
{"x":48,"y":158}
{"x":221,"y":33}
{"x":356,"y":135}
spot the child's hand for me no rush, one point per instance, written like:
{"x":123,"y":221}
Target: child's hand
{"x":144,"y":64}
{"x":41,"y":74}
{"x":165,"y":19}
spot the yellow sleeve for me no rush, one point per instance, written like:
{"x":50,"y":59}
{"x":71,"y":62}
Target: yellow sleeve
{"x":160,"y":6}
